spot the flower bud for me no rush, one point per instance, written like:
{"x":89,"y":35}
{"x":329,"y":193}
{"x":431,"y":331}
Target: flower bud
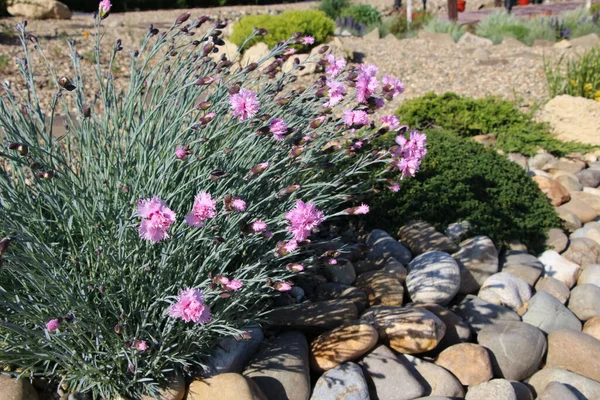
{"x":201,"y":20}
{"x":261,"y":31}
{"x":34,"y":166}
{"x":234,"y":89}
{"x":118,"y":45}
{"x":66,"y":83}
{"x":323,"y":49}
{"x":257,"y":170}
{"x":216,"y":33}
{"x":23,"y":149}
{"x":117,"y":329}
{"x":87,"y":111}
{"x":182,"y":18}
{"x":204,"y":105}
{"x":4,"y":243}
{"x":287,"y":191}
{"x":208,"y":48}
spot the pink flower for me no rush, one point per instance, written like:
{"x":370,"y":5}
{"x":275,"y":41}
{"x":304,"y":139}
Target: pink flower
{"x":331,"y":261}
{"x":408,"y":166}
{"x":334,"y":67}
{"x":282,"y":286}
{"x":141,"y":345}
{"x":362,"y":209}
{"x":394,"y":187}
{"x":336,"y":93}
{"x":104,"y":8}
{"x":190,"y":306}
{"x":390,"y":122}
{"x":244,"y":104}
{"x":221,"y":280}
{"x":181,"y":153}
{"x":367,"y":83}
{"x":356,"y":118}
{"x":259,"y":226}
{"x":156,"y":219}
{"x":278,"y":128}
{"x":234,"y":285}
{"x":392,"y":87}
{"x":303,"y":219}
{"x":308,"y":40}
{"x":53,"y":325}
{"x":295,"y":267}
{"x":203,"y":209}
{"x":289,"y":52}
{"x":238,"y":205}
{"x":357,"y":145}
{"x":285,"y":248}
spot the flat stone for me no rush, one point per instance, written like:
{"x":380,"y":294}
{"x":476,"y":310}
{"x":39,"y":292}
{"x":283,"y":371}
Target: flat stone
{"x":585,"y":388}
{"x":590,"y":275}
{"x":587,"y":41}
{"x":497,"y":389}
{"x":563,"y":44}
{"x":342,"y":272}
{"x":506,"y":290}
{"x":522,"y":265}
{"x":437,"y":381}
{"x":409,"y":330}
{"x":439,"y":38}
{"x":548,"y":314}
{"x":589,"y":177}
{"x":557,"y":240}
{"x":225,"y":387}
{"x":232,"y":354}
{"x":558,"y":267}
{"x":583,"y":252}
{"x":383,"y":246}
{"x":480,"y":314}
{"x":582,"y":210}
{"x":337,"y":291}
{"x":556,"y":192}
{"x":16,"y":389}
{"x":477,"y":260}
{"x":280,"y":369}
{"x":554,"y":287}
{"x":557,"y":391}
{"x":309,"y":316}
{"x":390,"y":375}
{"x":469,"y":362}
{"x":571,"y":166}
{"x":592,"y":327}
{"x":433,"y":277}
{"x":457,"y":330}
{"x":585,"y":301}
{"x":575,"y":352}
{"x":346,"y":382}
{"x":344,"y":343}
{"x":422,"y":237}
{"x":517,"y":348}
{"x":381,"y":288}
{"x":570,"y":221}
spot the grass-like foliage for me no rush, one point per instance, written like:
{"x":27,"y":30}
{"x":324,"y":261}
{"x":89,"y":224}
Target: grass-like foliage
{"x":363,"y":14}
{"x":334,"y":8}
{"x":398,"y":26}
{"x":515,"y":131}
{"x":452,"y":28}
{"x":92,"y":270}
{"x":461,"y":180}
{"x":578,"y":76}
{"x":310,"y":22}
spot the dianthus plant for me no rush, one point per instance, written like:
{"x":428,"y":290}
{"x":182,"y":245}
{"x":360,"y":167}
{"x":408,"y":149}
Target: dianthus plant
{"x":166,"y":215}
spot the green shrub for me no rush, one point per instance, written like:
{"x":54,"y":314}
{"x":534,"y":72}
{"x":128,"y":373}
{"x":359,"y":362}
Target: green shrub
{"x":281,"y":27}
{"x":575,"y":77}
{"x":399,"y":26}
{"x":499,"y":24}
{"x":4,"y":62}
{"x":334,"y":8}
{"x":515,"y":130}
{"x":461,"y":180}
{"x":595,"y":8}
{"x":363,"y":14}
{"x":437,"y":25}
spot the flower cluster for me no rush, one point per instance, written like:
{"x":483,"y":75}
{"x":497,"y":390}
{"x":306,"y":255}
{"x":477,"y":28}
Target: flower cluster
{"x":303,"y":219}
{"x":410,"y":152}
{"x":190,"y":307}
{"x":157,"y":218}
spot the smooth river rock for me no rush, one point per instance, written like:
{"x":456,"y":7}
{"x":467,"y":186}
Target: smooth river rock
{"x":346,"y":382}
{"x":557,"y":391}
{"x":584,"y":388}
{"x":310,"y":316}
{"x":422,"y":237}
{"x":554,"y":287}
{"x":477,"y":260}
{"x":592,"y":327}
{"x":558,"y":267}
{"x":590,"y":275}
{"x":479,"y":313}
{"x":585,"y":301}
{"x":574,"y":351}
{"x":548,"y":314}
{"x":433,"y":277}
{"x":436,"y":380}
{"x":469,"y":362}
{"x":225,"y":387}
{"x":383,"y":246}
{"x":381,"y":288}
{"x":337,"y":291}
{"x":497,"y":389}
{"x":506,"y":290}
{"x":522,"y":265}
{"x":583,"y":252}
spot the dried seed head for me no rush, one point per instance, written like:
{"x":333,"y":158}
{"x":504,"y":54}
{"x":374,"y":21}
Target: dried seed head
{"x":251,"y":67}
{"x":234,"y":89}
{"x":4,"y":243}
{"x":221,"y":24}
{"x":23,"y":149}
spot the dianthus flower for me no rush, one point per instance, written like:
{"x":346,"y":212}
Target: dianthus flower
{"x":203,"y":209}
{"x":244,"y":104}
{"x":362,"y":209}
{"x":278,"y":128}
{"x":238,"y":205}
{"x":390,"y":122}
{"x":303,"y":219}
{"x":104,"y":8}
{"x":190,"y":306}
{"x":181,"y":153}
{"x":156,"y":219}
{"x":334,"y":67}
{"x":229,"y":284}
{"x":259,"y":226}
{"x":308,"y":40}
{"x":282,"y":286}
{"x":367,"y":83}
{"x":356,"y":118}
{"x":392,"y":87}
{"x":141,"y":345}
{"x":336,"y":92}
{"x":53,"y":325}
{"x":295,"y":267}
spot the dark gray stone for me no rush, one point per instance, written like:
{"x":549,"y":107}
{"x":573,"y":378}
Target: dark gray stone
{"x":479,"y":313}
{"x":232,"y":354}
{"x":345,"y":382}
{"x":384,"y":246}
{"x":589,"y":177}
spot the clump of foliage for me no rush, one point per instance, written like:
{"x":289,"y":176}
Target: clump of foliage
{"x":350,"y":25}
{"x":280,"y":27}
{"x":334,"y":8}
{"x":398,"y":25}
{"x":515,"y":131}
{"x":4,"y":62}
{"x":363,"y":14}
{"x":595,"y":8}
{"x":165,"y":216}
{"x":452,"y":28}
{"x":461,"y":180}
{"x":576,"y":77}
{"x":499,"y":24}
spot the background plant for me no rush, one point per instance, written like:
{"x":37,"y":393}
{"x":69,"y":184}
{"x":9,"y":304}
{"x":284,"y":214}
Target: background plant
{"x":74,"y":255}
{"x":578,"y":76}
{"x":399,"y":26}
{"x":363,"y":14}
{"x":333,"y":8}
{"x":437,"y":25}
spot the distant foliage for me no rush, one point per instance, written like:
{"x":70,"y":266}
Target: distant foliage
{"x":311,"y":22}
{"x":575,"y":77}
{"x":334,"y":8}
{"x":398,"y":25}
{"x":461,"y":180}
{"x":351,"y":25}
{"x":437,"y":25}
{"x":363,"y":14}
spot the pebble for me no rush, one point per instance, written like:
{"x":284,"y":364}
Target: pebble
{"x":342,"y":272}
{"x":477,"y":260}
{"x":575,"y":352}
{"x":422,"y":237}
{"x":346,"y":382}
{"x":590,"y":274}
{"x":280,"y":369}
{"x":381,"y":288}
{"x":436,"y":380}
{"x":469,"y":362}
{"x":433,"y":277}
{"x":554,"y":287}
{"x":384,"y":246}
{"x":480,"y":314}
{"x":337,"y":291}
{"x":309,"y":316}
{"x":588,"y":388}
{"x":585,"y":301}
{"x":517,"y":348}
{"x":557,"y":391}
{"x":232,"y":354}
{"x":390,"y":375}
{"x":497,"y":389}
{"x":548,"y":314}
{"x":506,"y":290}
{"x":583,"y":252}
{"x":225,"y":387}
{"x":557,"y":240}
{"x":344,"y":343}
{"x":16,"y":389}
{"x":558,"y":267}
{"x":408,"y":330}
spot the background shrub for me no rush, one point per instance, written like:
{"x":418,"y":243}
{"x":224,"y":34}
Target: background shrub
{"x":399,"y":26}
{"x":333,"y":8}
{"x":363,"y":14}
{"x":310,"y":22}
{"x":461,"y":180}
{"x":575,"y":77}
{"x":515,"y":131}
{"x":437,"y":25}
{"x":499,"y":24}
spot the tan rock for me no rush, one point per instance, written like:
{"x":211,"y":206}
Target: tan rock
{"x":575,"y":352}
{"x":381,"y":288}
{"x":553,"y":286}
{"x":469,"y":362}
{"x":39,"y":9}
{"x":16,"y":389}
{"x":592,"y":327}
{"x":320,"y":315}
{"x":225,"y":387}
{"x":422,"y":237}
{"x":573,"y":118}
{"x":552,"y":189}
{"x":570,"y":221}
{"x":344,"y":343}
{"x":254,"y":54}
{"x":409,"y":330}
{"x":590,"y":199}
{"x":581,"y":209}
{"x":175,"y":390}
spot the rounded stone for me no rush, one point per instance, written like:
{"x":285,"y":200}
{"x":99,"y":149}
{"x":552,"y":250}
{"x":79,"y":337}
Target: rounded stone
{"x":506,"y":290}
{"x":421,"y":238}
{"x":342,"y":272}
{"x":557,"y":391}
{"x":457,"y":330}
{"x":556,"y":193}
{"x":589,"y":177}
{"x":582,"y":210}
{"x":522,"y":265}
{"x":433,"y":277}
{"x":548,"y":314}
{"x":409,"y":330}
{"x":590,"y":199}
{"x":381,"y":288}
{"x":570,"y":221}
{"x":383,"y":246}
{"x":592,"y":327}
{"x":569,"y":182}
{"x":344,"y":343}
{"x":333,"y":291}
{"x":590,"y":275}
{"x":469,"y":362}
{"x":557,"y":240}
{"x":16,"y":389}
{"x":497,"y":389}
{"x":479,"y":313}
{"x":395,"y":268}
{"x":583,"y":252}
{"x":554,"y":287}
{"x":522,"y":390}
{"x":314,"y":316}
{"x":558,"y":267}
{"x":588,"y":388}
{"x":516,"y":348}
{"x":225,"y":387}
{"x":585,"y":301}
{"x":477,"y":260}
{"x":587,"y":232}
{"x":346,"y":382}
{"x":575,"y":352}
{"x":436,"y":380}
